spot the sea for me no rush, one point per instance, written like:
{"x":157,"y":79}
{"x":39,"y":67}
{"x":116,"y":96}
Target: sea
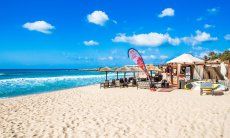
{"x":17,"y":82}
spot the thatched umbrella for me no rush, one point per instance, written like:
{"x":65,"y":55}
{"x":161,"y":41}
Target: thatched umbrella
{"x":134,"y":70}
{"x":115,"y":70}
{"x":106,"y":70}
{"x":123,"y":69}
{"x":157,"y":69}
{"x":151,"y":68}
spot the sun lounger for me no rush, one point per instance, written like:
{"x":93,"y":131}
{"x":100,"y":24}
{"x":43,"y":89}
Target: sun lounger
{"x":206,"y":87}
{"x":123,"y":82}
{"x":158,"y":84}
{"x":105,"y":84}
{"x":132,"y":83}
{"x":113,"y":83}
{"x":143,"y":85}
{"x":117,"y":83}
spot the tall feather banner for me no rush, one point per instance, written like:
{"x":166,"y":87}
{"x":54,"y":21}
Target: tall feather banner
{"x":136,"y":57}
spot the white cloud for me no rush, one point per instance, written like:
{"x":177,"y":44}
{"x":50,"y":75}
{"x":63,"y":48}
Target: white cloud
{"x":152,"y":57}
{"x":227,"y":37}
{"x":197,"y":48}
{"x":106,"y":58}
{"x":206,"y":26}
{"x":98,"y":17}
{"x":114,"y":21}
{"x":40,"y":26}
{"x":163,"y":57}
{"x":142,"y":51}
{"x":199,"y":18}
{"x":91,"y":43}
{"x":169,"y":29}
{"x":199,"y":38}
{"x":150,"y":39}
{"x":212,"y":10}
{"x":149,"y":57}
{"x":202,"y":54}
{"x":110,"y":58}
{"x":166,"y":12}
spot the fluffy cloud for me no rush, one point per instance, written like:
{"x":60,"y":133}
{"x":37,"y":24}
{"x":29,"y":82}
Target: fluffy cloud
{"x":212,"y":10}
{"x":227,"y":37}
{"x":150,"y":39}
{"x":203,"y":54}
{"x":166,"y":12}
{"x":114,"y":21}
{"x":90,"y":43}
{"x":40,"y":26}
{"x":199,"y":18}
{"x":142,"y":51}
{"x":197,"y":48}
{"x":206,"y":26}
{"x":199,"y":38}
{"x":169,"y":29}
{"x":149,"y":57}
{"x":98,"y":18}
{"x":106,"y":58}
{"x":154,"y":57}
{"x":163,"y":57}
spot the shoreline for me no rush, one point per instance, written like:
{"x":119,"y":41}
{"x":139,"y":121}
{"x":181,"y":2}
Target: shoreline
{"x":45,"y":92}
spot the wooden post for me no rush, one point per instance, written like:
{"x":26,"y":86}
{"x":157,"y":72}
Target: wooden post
{"x":178,"y":73}
{"x":171,"y":75}
{"x":228,"y":70}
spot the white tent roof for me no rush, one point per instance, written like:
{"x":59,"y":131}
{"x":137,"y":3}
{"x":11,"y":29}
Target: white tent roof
{"x":186,"y":59}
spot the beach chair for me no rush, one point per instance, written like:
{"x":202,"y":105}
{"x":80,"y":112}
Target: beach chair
{"x":206,"y":87}
{"x":133,"y":83}
{"x":164,"y":84}
{"x":105,"y":84}
{"x":121,"y":83}
{"x":157,"y":84}
{"x":143,"y":85}
{"x":126,"y":82}
{"x":117,"y":83}
{"x":113,"y":83}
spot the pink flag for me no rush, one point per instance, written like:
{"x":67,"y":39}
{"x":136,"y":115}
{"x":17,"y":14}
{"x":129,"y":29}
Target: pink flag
{"x":136,"y":57}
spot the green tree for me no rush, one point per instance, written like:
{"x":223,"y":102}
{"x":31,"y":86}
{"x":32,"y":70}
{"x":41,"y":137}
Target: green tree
{"x":225,"y":56}
{"x":213,"y":55}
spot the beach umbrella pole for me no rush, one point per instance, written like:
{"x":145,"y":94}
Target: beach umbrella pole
{"x":106,"y":75}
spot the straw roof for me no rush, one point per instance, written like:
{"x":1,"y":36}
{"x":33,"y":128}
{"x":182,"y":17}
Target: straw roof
{"x":123,"y":69}
{"x":153,"y":68}
{"x":186,"y":59}
{"x":150,"y":67}
{"x":135,"y":69}
{"x":105,"y":69}
{"x":157,"y":69}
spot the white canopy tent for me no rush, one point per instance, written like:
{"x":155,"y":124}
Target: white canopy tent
{"x":186,"y":59}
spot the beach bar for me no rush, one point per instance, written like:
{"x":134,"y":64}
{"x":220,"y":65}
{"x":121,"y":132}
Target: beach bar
{"x":186,"y":68}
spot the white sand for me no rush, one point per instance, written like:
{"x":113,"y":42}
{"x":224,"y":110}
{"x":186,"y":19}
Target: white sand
{"x":127,"y":112}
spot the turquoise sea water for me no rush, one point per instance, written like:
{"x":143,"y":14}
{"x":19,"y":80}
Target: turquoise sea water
{"x":23,"y":82}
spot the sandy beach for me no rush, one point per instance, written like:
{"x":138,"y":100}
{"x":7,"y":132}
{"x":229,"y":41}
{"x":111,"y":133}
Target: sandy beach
{"x":115,"y":112}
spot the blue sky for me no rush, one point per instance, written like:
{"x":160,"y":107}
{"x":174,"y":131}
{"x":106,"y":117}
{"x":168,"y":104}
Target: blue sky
{"x":93,"y":33}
